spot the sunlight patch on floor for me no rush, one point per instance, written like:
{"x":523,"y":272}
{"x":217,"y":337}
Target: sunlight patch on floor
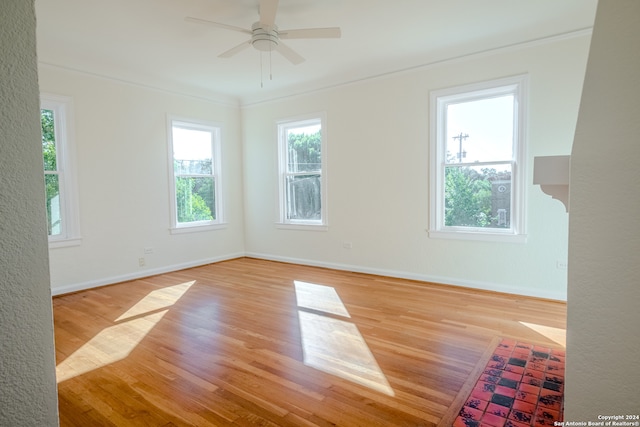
{"x":110,"y":345}
{"x":555,"y":334}
{"x":333,"y":345}
{"x":319,"y":298}
{"x":118,"y":341}
{"x":156,"y":300}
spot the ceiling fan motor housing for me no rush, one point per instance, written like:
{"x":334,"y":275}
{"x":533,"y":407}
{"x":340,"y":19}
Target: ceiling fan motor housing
{"x":264,"y":38}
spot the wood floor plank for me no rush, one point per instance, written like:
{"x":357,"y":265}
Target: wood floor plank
{"x":223,"y":345}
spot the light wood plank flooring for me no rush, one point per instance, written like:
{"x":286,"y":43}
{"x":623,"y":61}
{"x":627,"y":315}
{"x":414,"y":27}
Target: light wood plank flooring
{"x":253,"y":342}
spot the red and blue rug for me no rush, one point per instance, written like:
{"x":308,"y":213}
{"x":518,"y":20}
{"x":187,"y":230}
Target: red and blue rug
{"x":522,"y":385}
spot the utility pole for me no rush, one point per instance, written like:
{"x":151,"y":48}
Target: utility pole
{"x":461,"y":138}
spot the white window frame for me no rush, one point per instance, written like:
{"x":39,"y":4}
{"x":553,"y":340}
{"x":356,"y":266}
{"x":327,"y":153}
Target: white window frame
{"x":439,"y":99}
{"x":216,"y":150}
{"x":62,"y":107}
{"x":282,"y":127}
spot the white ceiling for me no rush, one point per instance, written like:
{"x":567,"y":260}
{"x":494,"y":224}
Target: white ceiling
{"x":148,"y":42}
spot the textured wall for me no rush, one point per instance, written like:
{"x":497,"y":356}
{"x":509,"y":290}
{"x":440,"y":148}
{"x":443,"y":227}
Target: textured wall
{"x":603,"y":348}
{"x":27,"y":367}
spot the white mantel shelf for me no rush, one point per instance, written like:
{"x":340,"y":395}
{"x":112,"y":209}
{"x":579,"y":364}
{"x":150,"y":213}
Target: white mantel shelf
{"x":552,"y":174}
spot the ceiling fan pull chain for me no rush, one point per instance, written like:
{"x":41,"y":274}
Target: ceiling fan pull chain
{"x":261,"y":85}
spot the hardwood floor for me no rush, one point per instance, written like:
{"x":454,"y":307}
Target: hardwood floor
{"x":254,"y":342}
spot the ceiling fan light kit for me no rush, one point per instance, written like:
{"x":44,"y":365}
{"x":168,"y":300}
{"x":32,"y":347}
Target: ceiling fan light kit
{"x":263,"y":38}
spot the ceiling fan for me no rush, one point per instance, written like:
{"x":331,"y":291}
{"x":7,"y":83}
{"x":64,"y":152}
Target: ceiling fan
{"x":267,"y":37}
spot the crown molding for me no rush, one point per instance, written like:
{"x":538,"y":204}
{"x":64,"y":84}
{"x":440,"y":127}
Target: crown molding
{"x":218,"y":99}
{"x":584,"y":32}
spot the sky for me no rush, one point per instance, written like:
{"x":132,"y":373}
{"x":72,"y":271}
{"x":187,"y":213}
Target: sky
{"x":191,"y":144}
{"x":489,"y":126}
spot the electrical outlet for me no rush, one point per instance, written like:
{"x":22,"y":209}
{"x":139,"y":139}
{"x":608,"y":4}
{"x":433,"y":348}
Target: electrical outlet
{"x":141,"y":262}
{"x":347,"y":245}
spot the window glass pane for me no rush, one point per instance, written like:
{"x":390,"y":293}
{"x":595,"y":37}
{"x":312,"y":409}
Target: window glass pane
{"x":480,"y":130}
{"x":478,"y":196}
{"x":195,"y":199}
{"x":54,"y":217}
{"x":304,"y":197}
{"x":48,"y":140}
{"x":192,"y":151}
{"x":304,"y":149}
{"x":193,"y":167}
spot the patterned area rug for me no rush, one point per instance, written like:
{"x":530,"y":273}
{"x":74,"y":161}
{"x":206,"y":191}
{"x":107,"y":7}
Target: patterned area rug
{"x":522,"y":385}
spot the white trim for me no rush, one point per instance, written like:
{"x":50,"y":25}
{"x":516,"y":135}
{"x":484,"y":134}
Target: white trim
{"x":195,"y":228}
{"x":439,"y":99}
{"x":250,"y":101}
{"x":216,"y":151}
{"x":54,"y":244}
{"x":64,"y":129}
{"x":479,"y":236}
{"x":281,"y":126}
{"x":60,"y":290}
{"x":307,"y":227}
{"x":473,"y":284}
{"x":583,"y":32}
{"x":215,"y":98}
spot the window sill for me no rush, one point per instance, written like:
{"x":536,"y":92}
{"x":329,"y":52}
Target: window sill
{"x":298,"y":226}
{"x":65,"y":243}
{"x":478,"y":236}
{"x":197,"y":228}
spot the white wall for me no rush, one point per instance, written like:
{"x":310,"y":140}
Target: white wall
{"x":27,"y":364}
{"x":378,"y":177}
{"x":378,"y":172}
{"x":603,"y":348}
{"x":123,"y":182}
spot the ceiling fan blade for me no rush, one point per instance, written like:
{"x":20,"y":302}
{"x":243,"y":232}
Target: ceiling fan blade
{"x":216,"y":24}
{"x":268,"y":9}
{"x":235,"y":50}
{"x":289,"y":53}
{"x":311,"y":33}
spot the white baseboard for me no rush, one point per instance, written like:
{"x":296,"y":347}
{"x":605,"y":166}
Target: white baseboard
{"x":65,"y":289}
{"x":486,"y":286}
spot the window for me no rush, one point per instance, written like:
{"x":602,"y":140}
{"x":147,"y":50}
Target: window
{"x":194,"y":153}
{"x":477,"y":161}
{"x":302,"y":155}
{"x":59,"y":174}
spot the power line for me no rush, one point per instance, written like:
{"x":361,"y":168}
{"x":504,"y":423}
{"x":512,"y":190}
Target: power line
{"x":461,"y":154}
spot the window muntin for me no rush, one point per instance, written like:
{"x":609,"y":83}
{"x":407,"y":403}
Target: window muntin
{"x":195,"y":171}
{"x":302,"y":180}
{"x":59,"y":175}
{"x":478,"y":161}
